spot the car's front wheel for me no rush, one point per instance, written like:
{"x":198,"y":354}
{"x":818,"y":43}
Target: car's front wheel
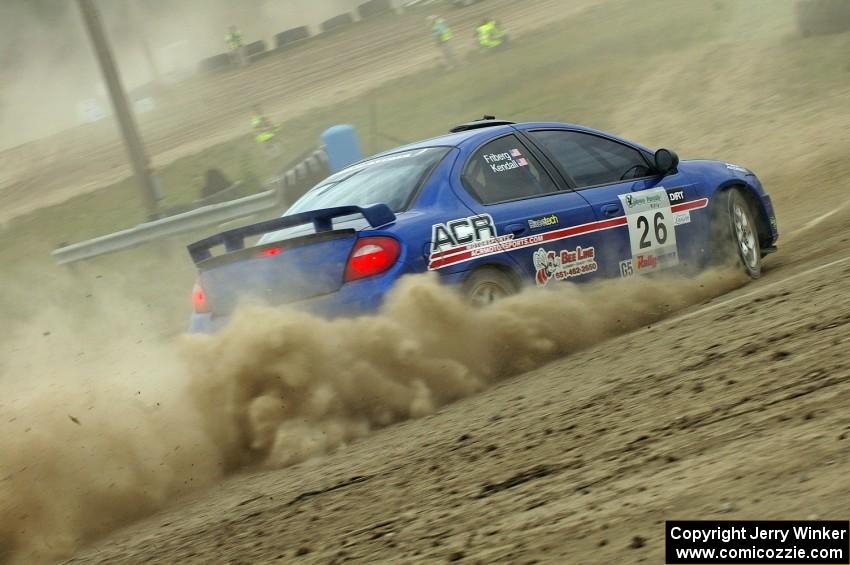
{"x":735,"y":239}
{"x":487,"y":285}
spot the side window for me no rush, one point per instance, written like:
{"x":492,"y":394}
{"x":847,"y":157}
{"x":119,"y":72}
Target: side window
{"x":590,"y":159}
{"x":504,"y":170}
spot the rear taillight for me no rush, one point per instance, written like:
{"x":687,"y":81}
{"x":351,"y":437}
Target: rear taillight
{"x":371,"y":256}
{"x":270,"y":252}
{"x":199,"y":298}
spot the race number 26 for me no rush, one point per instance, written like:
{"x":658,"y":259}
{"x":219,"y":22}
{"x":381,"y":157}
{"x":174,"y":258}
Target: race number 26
{"x":659,"y":229}
{"x":652,"y":236}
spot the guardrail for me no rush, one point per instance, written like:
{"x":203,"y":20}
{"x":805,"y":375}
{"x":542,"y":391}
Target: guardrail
{"x":281,"y":193}
{"x":173,"y":225}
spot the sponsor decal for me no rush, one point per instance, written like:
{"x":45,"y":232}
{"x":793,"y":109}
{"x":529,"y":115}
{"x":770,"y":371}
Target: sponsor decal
{"x":653,"y":262}
{"x":680,"y":218}
{"x":501,"y":162}
{"x":676,"y":195}
{"x":650,"y":199}
{"x":733,"y":167}
{"x":544,"y":222}
{"x":446,"y":250}
{"x":644,"y":262}
{"x":564,"y":264}
{"x":394,"y":157}
{"x":474,"y":229}
{"x":668,"y":259}
{"x":647,"y":263}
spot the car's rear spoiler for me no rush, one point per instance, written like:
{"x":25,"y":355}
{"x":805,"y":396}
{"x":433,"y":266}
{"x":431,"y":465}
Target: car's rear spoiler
{"x":233,"y":240}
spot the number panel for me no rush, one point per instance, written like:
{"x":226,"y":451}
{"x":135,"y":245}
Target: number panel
{"x":651,"y":233}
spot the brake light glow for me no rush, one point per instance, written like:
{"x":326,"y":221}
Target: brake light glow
{"x":371,"y":256}
{"x":270,"y":252}
{"x":199,"y":298}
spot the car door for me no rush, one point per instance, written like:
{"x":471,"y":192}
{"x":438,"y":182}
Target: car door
{"x":618,"y":182}
{"x":535,"y":218}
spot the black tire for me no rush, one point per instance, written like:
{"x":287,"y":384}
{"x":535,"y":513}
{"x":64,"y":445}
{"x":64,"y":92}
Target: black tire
{"x":735,"y":233}
{"x":488,"y":284}
{"x":216,"y":63}
{"x":373,"y":8}
{"x":255,"y":48}
{"x":291,"y":36}
{"x":337,"y":22}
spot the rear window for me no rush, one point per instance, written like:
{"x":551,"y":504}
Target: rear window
{"x":392,"y":180}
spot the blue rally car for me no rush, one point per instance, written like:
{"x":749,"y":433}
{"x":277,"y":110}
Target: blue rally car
{"x":489,"y":207}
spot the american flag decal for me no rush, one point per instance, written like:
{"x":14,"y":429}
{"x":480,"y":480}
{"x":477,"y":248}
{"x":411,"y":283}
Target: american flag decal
{"x":522,"y":162}
{"x":515,"y":153}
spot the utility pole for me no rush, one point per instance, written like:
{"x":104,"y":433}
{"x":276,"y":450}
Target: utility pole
{"x":137,"y":21}
{"x":135,"y":149}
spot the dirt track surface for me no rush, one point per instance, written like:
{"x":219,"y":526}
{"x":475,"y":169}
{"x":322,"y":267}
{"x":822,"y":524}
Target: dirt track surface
{"x":733,"y":409}
{"x":326,"y":70}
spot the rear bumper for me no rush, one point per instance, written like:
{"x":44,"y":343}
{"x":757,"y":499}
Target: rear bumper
{"x":352,"y":299}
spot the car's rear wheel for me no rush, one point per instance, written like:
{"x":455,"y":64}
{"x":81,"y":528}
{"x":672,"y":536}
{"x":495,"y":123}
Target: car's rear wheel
{"x":487,"y":285}
{"x":735,"y":239}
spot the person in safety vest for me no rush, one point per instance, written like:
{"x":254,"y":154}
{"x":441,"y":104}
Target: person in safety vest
{"x":443,"y":36}
{"x":265,"y":132}
{"x":233,"y":38}
{"x":490,"y":35}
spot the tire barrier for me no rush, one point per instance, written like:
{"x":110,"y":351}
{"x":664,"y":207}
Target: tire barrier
{"x":303,"y":176}
{"x":216,"y":63}
{"x":373,"y":8}
{"x":337,"y":22}
{"x":258,"y":56}
{"x":255,"y":48}
{"x":822,"y":17}
{"x":291,"y":36}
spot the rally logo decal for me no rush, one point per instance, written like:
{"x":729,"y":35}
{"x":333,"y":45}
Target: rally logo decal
{"x":544,"y":222}
{"x":681,"y":218}
{"x":465,"y":239}
{"x":650,"y":199}
{"x":563,"y":265}
{"x":737,"y":168}
{"x":462,"y":232}
{"x":676,"y":195}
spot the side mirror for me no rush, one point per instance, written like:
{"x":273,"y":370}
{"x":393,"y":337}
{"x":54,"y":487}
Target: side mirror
{"x":666,"y":161}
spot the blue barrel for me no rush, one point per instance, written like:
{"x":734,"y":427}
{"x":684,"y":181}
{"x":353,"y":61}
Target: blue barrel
{"x":341,"y":146}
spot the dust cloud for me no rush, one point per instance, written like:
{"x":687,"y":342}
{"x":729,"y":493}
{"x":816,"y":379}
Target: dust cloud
{"x":91,"y":445}
{"x":96,"y":430}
